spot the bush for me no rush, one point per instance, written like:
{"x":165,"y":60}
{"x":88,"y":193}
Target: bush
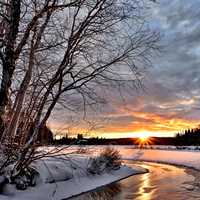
{"x":82,"y":150}
{"x":108,"y":160}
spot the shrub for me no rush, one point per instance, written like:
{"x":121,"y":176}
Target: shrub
{"x":109,"y":159}
{"x":82,"y":150}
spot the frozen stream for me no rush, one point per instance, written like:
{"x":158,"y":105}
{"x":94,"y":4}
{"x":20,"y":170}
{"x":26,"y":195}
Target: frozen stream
{"x":163,"y":182}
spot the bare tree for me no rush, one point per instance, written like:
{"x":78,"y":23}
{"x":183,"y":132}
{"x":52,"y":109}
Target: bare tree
{"x":59,"y":49}
{"x":12,"y":42}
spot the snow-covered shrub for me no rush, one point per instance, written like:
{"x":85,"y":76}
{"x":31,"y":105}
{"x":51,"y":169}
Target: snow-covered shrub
{"x":53,"y":169}
{"x":82,"y":150}
{"x":109,"y":159}
{"x":26,"y":178}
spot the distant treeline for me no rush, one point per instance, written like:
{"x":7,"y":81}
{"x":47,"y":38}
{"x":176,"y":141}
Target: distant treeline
{"x":117,"y":141}
{"x":189,"y":137}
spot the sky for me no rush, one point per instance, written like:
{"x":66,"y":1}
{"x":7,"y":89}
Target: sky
{"x":170,"y":101}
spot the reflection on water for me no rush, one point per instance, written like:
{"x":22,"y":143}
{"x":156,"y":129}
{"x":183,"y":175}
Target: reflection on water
{"x":163,"y":182}
{"x":145,"y":190}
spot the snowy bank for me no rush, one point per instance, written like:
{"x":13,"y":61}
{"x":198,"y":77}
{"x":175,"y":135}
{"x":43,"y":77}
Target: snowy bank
{"x":182,"y":158}
{"x":188,"y":156}
{"x":62,"y":177}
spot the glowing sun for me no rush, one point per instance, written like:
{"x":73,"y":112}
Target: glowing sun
{"x":144,"y":139}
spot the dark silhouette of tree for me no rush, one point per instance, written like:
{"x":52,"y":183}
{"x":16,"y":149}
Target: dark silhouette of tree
{"x":80,"y":136}
{"x":188,"y":137}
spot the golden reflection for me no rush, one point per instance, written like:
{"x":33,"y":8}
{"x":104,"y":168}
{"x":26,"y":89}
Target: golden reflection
{"x":145,"y":190}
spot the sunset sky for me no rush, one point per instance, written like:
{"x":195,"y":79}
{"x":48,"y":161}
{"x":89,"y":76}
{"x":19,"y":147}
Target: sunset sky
{"x":170,"y":101}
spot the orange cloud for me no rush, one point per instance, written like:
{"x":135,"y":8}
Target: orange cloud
{"x":138,"y":122}
{"x":151,"y":123}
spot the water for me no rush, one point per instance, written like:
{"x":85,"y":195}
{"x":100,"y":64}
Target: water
{"x":163,"y":182}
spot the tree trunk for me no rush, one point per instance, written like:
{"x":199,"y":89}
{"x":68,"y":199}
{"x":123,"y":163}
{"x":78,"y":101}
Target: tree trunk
{"x":9,"y":60}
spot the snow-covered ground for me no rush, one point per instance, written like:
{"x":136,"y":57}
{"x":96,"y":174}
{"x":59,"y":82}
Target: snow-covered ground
{"x":60,"y":178}
{"x":178,"y":157}
{"x":63,"y":177}
{"x":188,"y":156}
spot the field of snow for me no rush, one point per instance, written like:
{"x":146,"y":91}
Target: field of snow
{"x":59,"y":178}
{"x":188,"y":156}
{"x":63,"y":177}
{"x":178,"y":157}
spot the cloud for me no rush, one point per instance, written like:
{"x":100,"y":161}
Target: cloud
{"x":171,"y":100}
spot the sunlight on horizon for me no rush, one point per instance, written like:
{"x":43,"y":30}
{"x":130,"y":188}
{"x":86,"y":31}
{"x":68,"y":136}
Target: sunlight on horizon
{"x":139,"y":134}
{"x":144,"y":135}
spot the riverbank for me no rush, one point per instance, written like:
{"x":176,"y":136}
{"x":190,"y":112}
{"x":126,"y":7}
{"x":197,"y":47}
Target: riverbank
{"x":56,"y":186}
{"x":162,"y":182}
{"x":63,"y":179}
{"x":161,"y":154}
{"x":189,"y":159}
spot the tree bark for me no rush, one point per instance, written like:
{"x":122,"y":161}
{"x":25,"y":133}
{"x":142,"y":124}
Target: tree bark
{"x":9,"y":58}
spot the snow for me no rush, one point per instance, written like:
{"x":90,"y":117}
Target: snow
{"x":188,"y":156}
{"x":53,"y":170}
{"x":2,"y":179}
{"x":185,"y":158}
{"x":61,"y":177}
{"x":72,"y":187}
